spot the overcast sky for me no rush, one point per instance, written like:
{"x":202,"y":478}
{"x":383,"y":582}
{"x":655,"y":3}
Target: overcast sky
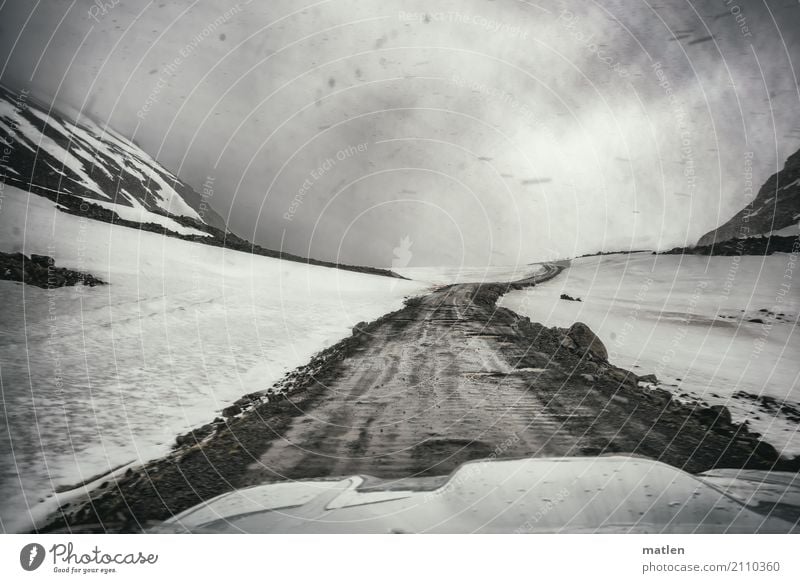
{"x":483,"y":131}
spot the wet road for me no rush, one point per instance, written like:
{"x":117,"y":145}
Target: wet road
{"x":428,"y":391}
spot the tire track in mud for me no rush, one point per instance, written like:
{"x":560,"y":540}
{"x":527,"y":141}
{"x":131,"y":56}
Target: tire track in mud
{"x":454,"y":401}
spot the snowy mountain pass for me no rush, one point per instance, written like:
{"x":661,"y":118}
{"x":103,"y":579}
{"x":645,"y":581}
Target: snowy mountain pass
{"x":97,"y":377}
{"x":447,"y":379}
{"x":721,"y":330}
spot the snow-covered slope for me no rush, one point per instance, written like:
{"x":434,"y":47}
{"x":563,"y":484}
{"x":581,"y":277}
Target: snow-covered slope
{"x":96,"y":173}
{"x":775,"y":208}
{"x":97,"y":377}
{"x":723,"y":330}
{"x":50,"y":155}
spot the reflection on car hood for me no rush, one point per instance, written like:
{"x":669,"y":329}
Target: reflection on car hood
{"x":540,"y":495}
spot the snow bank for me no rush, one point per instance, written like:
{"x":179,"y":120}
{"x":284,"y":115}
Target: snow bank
{"x":139,"y":214}
{"x":97,"y":377}
{"x":708,"y":327}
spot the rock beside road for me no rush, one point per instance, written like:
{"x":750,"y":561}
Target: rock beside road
{"x":580,"y":337}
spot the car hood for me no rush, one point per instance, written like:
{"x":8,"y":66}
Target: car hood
{"x":613,"y":494}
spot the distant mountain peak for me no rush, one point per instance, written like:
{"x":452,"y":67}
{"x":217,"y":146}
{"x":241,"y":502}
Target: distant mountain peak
{"x":50,"y":155}
{"x":774,"y":211}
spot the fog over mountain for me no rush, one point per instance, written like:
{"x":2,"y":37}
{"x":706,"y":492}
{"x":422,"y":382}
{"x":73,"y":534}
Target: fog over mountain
{"x":483,"y":132}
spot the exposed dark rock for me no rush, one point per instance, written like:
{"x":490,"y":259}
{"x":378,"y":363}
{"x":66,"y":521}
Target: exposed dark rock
{"x":716,"y":414}
{"x":231,"y":411}
{"x":41,"y":271}
{"x":42,"y":260}
{"x":586,"y":341}
{"x":773,"y":406}
{"x":249,"y":399}
{"x":569,"y":298}
{"x":195,"y":436}
{"x":623,"y":377}
{"x":749,"y":246}
{"x":660,"y":395}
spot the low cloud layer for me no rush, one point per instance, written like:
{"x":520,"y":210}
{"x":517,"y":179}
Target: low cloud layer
{"x":482,"y":131}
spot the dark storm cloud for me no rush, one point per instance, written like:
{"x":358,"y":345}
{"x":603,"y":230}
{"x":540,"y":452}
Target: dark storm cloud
{"x":366,"y":122}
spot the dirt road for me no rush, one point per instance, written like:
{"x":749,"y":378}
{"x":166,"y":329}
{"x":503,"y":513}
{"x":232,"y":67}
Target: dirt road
{"x":427,"y":391}
{"x":449,"y":378}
